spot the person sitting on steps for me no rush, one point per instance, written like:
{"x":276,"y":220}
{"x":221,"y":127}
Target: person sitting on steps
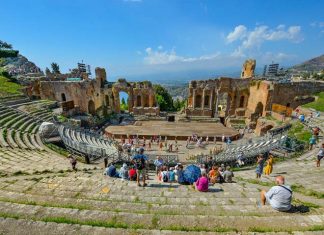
{"x":279,"y":197}
{"x":202,"y":183}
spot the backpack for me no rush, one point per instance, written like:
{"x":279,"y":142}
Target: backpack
{"x":165,"y":178}
{"x":140,"y":163}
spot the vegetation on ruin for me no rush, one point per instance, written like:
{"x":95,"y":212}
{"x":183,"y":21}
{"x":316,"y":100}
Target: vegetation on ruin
{"x":163,"y":98}
{"x":8,"y":88}
{"x":123,"y":104}
{"x":55,"y":68}
{"x":300,"y":132}
{"x":57,"y":149}
{"x":318,"y":104}
{"x":179,"y":104}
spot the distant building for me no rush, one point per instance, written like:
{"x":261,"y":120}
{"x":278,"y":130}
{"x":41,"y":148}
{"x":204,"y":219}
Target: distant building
{"x":273,"y":69}
{"x":265,"y":70}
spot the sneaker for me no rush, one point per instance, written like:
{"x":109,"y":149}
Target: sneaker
{"x":144,"y":185}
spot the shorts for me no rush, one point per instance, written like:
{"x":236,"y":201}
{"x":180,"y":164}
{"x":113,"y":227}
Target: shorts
{"x":141,"y":172}
{"x":319,"y":158}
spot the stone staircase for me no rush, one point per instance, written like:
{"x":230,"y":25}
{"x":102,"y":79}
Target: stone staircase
{"x":39,"y":194}
{"x":87,"y":202}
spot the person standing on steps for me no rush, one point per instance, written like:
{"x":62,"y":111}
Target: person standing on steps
{"x":73,"y":162}
{"x":279,"y":197}
{"x":320,"y":155}
{"x":140,"y":162}
{"x":259,"y":168}
{"x":268,"y":169}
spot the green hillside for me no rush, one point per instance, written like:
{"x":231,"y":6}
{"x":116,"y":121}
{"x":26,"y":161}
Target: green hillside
{"x":8,"y":88}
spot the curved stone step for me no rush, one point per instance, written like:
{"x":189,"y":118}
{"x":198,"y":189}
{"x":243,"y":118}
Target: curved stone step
{"x":27,"y":142}
{"x":15,"y":119}
{"x":4,"y":120}
{"x":34,"y":142}
{"x":39,"y":140}
{"x":6,"y":112}
{"x":3,"y":142}
{"x":19,"y":123}
{"x":26,"y":125}
{"x":10,"y":140}
{"x":35,"y":129}
{"x":11,"y":226}
{"x":284,"y":222}
{"x":19,"y":141}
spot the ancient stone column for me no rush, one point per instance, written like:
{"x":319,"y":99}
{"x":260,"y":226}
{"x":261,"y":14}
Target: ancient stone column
{"x":142,"y":100}
{"x":151,"y":100}
{"x":211,"y":99}
{"x":203,"y":100}
{"x":194,"y":98}
{"x":217,"y":103}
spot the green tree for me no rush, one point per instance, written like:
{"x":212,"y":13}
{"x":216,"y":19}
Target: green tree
{"x":179,"y":104}
{"x":4,"y":45}
{"x":124,"y":104}
{"x":47,"y":71}
{"x":55,"y":68}
{"x":123,"y":101}
{"x":163,"y":98}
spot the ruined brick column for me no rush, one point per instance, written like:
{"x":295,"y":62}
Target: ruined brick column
{"x":142,"y":100}
{"x":211,"y":99}
{"x":194,"y":98}
{"x":217,"y":102}
{"x":203,"y":100}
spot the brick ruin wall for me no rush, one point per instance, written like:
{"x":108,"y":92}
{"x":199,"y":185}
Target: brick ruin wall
{"x":97,"y":97}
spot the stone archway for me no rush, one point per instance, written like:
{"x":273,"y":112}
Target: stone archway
{"x":63,"y":97}
{"x":198,"y":101}
{"x":259,"y":109}
{"x":242,"y":101}
{"x":91,"y":107}
{"x":107,"y":100}
{"x":138,"y":101}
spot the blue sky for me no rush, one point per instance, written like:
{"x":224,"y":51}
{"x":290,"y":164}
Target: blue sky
{"x":155,"y":39}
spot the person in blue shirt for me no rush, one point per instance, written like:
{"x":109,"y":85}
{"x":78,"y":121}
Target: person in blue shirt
{"x":158,"y":164}
{"x":312,"y":142}
{"x":140,"y":162}
{"x":111,"y":171}
{"x":171,"y":174}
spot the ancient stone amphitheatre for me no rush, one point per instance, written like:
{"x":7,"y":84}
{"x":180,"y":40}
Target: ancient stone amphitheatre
{"x":40,"y":194}
{"x":202,"y":85}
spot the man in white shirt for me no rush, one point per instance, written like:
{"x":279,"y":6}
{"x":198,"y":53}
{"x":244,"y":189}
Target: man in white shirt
{"x":320,"y":156}
{"x":279,"y":197}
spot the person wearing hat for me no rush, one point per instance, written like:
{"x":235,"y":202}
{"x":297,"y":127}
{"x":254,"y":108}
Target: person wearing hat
{"x":140,"y":162}
{"x":123,"y":172}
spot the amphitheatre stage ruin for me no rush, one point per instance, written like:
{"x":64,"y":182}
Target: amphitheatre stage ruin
{"x":234,"y":102}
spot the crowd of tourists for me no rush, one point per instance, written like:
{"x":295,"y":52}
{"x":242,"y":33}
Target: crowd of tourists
{"x":200,"y":176}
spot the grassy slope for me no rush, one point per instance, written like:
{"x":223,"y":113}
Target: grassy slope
{"x":8,"y":88}
{"x":317,"y":104}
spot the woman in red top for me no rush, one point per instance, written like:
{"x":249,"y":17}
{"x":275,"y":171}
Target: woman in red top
{"x":132,"y":174}
{"x":202,"y":183}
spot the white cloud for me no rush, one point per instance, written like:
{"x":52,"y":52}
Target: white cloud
{"x":251,"y":39}
{"x":317,"y":24}
{"x":238,"y":33}
{"x":154,"y":57}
